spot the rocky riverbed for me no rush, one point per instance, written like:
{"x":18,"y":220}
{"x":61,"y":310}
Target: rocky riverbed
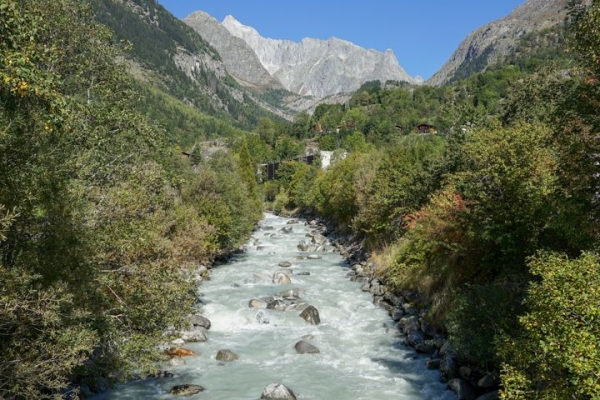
{"x":292,"y":318}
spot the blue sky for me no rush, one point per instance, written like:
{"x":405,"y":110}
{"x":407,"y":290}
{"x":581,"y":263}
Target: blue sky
{"x":422,"y":33}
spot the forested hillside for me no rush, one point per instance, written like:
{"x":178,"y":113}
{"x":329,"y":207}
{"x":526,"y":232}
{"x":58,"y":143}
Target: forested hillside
{"x":101,"y":224}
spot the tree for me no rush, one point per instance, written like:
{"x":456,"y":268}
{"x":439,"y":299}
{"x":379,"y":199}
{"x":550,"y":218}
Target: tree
{"x":557,"y":355}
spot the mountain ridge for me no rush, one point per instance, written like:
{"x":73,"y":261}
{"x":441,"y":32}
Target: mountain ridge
{"x":493,"y":42}
{"x":315,"y":67}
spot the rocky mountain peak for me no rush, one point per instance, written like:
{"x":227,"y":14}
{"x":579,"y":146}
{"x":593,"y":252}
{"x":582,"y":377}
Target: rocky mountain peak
{"x":493,"y":41}
{"x":240,"y":60}
{"x":319,"y":68}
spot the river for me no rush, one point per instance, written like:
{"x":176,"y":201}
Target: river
{"x":360,"y":357}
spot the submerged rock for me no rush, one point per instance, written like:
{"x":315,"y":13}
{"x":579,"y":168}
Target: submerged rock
{"x":303,"y":347}
{"x":226,"y":356}
{"x":285,"y":264}
{"x":186,"y":390}
{"x":277,"y":391}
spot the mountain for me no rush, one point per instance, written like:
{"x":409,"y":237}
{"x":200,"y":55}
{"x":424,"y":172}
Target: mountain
{"x":183,"y":77}
{"x":500,"y":39}
{"x":316,"y":67}
{"x":240,"y":60}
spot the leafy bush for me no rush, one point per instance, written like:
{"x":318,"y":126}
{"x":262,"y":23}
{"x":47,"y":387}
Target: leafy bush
{"x":556,"y":354}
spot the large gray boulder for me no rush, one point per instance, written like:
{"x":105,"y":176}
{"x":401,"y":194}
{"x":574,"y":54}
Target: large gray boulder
{"x":200,"y":321}
{"x":303,"y":347}
{"x":318,"y":239}
{"x":311,"y":315}
{"x":195,"y":335}
{"x":277,"y":391}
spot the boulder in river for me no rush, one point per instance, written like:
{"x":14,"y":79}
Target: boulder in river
{"x":313,"y":257}
{"x":277,"y":391}
{"x":278,"y":305}
{"x":281,"y":278}
{"x":303,"y":347}
{"x":254,"y":303}
{"x":199,"y":320}
{"x":287,"y":229}
{"x":285,"y":264}
{"x":226,"y":356}
{"x":198,"y":334}
{"x":311,"y":315}
{"x":303,"y":247}
{"x":186,"y":390}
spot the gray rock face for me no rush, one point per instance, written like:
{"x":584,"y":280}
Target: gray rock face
{"x":277,"y":391}
{"x":239,"y":59}
{"x":316,"y":67}
{"x":498,"y":39}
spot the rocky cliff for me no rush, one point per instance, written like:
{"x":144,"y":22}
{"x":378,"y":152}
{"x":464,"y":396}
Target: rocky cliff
{"x":240,"y":60}
{"x":492,"y":42}
{"x":316,"y":67}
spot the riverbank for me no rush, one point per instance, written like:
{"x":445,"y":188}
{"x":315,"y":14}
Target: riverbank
{"x":409,"y":313}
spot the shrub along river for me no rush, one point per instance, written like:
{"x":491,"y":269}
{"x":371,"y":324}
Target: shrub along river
{"x":360,"y":355}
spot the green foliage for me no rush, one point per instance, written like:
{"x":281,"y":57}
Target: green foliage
{"x":556,"y":356}
{"x":99,"y":221}
{"x":328,"y":142}
{"x":404,"y":177}
{"x":509,"y":180}
{"x":287,"y":148}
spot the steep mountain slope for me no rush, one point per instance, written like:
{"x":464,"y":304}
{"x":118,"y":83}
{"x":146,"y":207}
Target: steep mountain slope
{"x":239,"y":59}
{"x":169,"y":56}
{"x":316,"y":67}
{"x":495,"y":41}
